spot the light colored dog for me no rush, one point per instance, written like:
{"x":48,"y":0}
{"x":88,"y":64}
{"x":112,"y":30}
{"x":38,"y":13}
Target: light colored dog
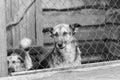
{"x":15,"y":63}
{"x":20,"y":61}
{"x":65,"y":44}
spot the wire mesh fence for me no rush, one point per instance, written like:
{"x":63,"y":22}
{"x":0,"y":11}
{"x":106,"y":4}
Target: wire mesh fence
{"x":98,"y":35}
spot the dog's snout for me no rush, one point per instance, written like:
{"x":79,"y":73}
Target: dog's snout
{"x":60,"y":44}
{"x":10,"y":70}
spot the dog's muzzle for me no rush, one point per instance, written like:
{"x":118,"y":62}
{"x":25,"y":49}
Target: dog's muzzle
{"x":61,"y":45}
{"x":10,"y":70}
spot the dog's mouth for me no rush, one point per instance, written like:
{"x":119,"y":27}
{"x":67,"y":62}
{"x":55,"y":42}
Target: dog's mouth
{"x":61,"y":47}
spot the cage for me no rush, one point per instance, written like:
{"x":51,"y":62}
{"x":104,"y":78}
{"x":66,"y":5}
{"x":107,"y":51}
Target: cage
{"x":98,"y":35}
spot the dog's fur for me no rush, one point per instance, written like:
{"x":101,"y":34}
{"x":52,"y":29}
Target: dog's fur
{"x":65,"y":46}
{"x":15,"y":63}
{"x":21,"y":60}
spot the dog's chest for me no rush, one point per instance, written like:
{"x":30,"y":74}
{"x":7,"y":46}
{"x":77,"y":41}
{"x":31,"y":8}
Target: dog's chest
{"x":69,"y":53}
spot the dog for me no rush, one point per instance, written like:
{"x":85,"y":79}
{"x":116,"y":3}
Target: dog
{"x":20,"y":60}
{"x":15,"y":63}
{"x":66,"y":52}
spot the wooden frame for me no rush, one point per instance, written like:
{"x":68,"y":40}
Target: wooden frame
{"x":41,"y":74}
{"x":3,"y":42}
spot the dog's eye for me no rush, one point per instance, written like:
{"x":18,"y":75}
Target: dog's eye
{"x":65,"y":33}
{"x":56,"y":34}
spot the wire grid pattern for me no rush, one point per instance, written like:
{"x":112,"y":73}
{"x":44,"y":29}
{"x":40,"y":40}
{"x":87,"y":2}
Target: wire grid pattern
{"x":104,"y":44}
{"x":99,"y":39}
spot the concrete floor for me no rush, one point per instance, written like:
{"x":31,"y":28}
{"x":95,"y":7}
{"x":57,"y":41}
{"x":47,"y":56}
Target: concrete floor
{"x":112,"y":73}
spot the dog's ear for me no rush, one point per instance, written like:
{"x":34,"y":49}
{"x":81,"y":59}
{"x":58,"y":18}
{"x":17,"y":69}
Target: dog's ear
{"x":75,"y":27}
{"x":48,"y":30}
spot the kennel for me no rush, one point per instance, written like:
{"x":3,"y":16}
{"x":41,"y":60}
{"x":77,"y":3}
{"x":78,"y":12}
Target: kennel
{"x":98,"y":36}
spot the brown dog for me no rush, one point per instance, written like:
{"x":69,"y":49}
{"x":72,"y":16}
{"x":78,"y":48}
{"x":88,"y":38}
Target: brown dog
{"x":65,"y":44}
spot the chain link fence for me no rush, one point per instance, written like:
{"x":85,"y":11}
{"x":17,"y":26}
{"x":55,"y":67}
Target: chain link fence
{"x":98,"y":37}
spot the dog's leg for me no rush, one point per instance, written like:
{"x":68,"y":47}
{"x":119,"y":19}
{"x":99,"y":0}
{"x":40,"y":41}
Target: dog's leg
{"x":78,"y":61}
{"x":28,"y":61}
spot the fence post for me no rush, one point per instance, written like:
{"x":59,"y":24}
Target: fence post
{"x":39,"y":22}
{"x":3,"y":41}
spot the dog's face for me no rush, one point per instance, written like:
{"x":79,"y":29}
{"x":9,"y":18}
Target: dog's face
{"x":15,"y":63}
{"x":63,"y":34}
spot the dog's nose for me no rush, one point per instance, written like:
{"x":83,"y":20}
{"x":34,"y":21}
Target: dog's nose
{"x":10,"y":70}
{"x":60,"y":45}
